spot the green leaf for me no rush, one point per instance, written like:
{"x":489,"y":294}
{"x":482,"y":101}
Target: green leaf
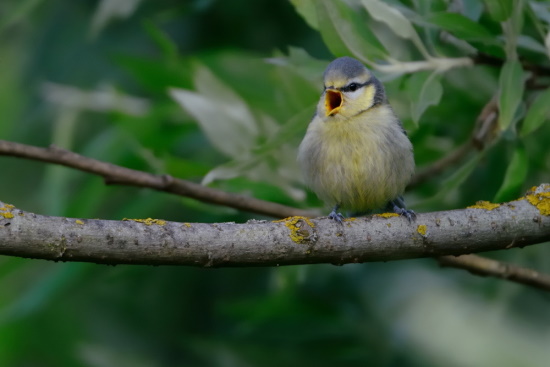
{"x":223,"y":115}
{"x":163,"y":41}
{"x":300,"y":62}
{"x":396,"y":21}
{"x":154,"y":75}
{"x":472,"y":9}
{"x":531,"y":44}
{"x":306,"y":8}
{"x":108,"y":11}
{"x":500,"y":10}
{"x":451,"y":183}
{"x":424,"y":89}
{"x":511,"y":92}
{"x":462,"y":27}
{"x":538,"y":113}
{"x":18,"y":13}
{"x":329,"y":33}
{"x":461,"y":174}
{"x":541,"y":10}
{"x":36,"y":297}
{"x":515,"y":176}
{"x":345,"y":32}
{"x":393,"y":18}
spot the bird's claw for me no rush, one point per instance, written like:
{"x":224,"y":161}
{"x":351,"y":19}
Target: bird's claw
{"x":336,"y":216}
{"x":407,"y":213}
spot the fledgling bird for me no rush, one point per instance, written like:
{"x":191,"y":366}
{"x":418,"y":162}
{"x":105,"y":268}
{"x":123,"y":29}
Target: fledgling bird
{"x":355,"y":154}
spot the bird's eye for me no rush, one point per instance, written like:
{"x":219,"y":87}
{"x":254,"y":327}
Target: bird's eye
{"x":352,"y":87}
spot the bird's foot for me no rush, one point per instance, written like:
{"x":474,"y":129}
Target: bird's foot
{"x":336,"y":216}
{"x":398,"y":207}
{"x":409,"y":214}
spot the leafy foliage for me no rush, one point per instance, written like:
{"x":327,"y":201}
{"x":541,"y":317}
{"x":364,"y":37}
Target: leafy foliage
{"x":155,"y":86}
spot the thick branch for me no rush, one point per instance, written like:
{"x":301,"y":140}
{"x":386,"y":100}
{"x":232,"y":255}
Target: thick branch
{"x":118,"y":175}
{"x":295,"y":240}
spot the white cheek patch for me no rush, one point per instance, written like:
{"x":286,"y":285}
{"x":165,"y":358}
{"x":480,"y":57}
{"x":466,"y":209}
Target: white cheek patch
{"x":354,"y":95}
{"x":364,"y":96}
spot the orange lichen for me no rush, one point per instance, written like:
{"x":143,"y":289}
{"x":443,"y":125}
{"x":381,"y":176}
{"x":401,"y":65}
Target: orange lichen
{"x":484,"y":205}
{"x":188,"y":225}
{"x":78,"y":221}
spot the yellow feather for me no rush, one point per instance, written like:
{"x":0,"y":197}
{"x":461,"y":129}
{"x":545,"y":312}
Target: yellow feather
{"x":360,"y":163}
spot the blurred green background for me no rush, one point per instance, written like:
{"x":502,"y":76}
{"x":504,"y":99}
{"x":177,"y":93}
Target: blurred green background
{"x":221,"y":92}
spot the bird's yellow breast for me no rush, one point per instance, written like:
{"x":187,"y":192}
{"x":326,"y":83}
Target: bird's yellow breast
{"x":359,"y":163}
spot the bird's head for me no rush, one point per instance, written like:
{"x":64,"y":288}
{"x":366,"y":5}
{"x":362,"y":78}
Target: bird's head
{"x":350,"y":89}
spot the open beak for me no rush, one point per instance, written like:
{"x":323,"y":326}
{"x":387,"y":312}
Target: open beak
{"x":333,"y":101}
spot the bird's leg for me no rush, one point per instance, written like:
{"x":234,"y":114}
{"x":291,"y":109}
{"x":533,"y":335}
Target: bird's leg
{"x":398,"y":206}
{"x":335,"y":215}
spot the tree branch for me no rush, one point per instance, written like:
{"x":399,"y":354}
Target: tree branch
{"x":441,"y":164}
{"x":294,"y":240}
{"x":487,"y":267}
{"x":486,"y":59}
{"x":482,"y":136}
{"x":117,"y":175}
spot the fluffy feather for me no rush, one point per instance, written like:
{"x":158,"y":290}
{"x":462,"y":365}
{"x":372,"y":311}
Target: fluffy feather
{"x":360,"y":157}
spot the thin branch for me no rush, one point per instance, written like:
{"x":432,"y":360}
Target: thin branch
{"x":486,"y":59}
{"x":295,"y":240}
{"x":439,"y":64}
{"x":440,"y":165}
{"x":482,"y":136}
{"x":487,"y":267}
{"x":117,"y":175}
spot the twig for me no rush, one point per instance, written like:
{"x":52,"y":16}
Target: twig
{"x":439,"y":64}
{"x":486,"y":59}
{"x":482,"y":136}
{"x":117,"y":175}
{"x":442,"y":164}
{"x":487,"y":267}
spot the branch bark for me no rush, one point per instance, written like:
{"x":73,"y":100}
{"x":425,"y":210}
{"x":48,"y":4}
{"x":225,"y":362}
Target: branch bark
{"x":487,"y":267}
{"x":294,"y":240}
{"x":117,"y":175}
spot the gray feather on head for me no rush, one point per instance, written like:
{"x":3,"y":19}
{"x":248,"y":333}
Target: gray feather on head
{"x":348,"y":67}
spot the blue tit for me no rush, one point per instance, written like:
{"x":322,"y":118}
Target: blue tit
{"x":355,"y":154}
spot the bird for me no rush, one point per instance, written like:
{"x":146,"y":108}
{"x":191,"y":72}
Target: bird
{"x":355,"y":154}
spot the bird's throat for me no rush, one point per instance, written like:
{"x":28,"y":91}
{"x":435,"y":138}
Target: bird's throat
{"x":333,"y":102}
